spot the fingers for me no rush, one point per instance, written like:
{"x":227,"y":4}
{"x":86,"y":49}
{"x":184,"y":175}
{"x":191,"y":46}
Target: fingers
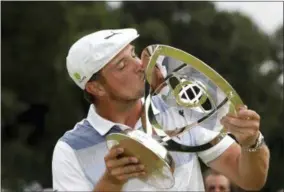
{"x":114,"y":152}
{"x":244,"y":125}
{"x":232,"y":128}
{"x":239,"y":131}
{"x":122,"y":167}
{"x":239,"y":107}
{"x":239,"y":123}
{"x":127,"y":170}
{"x":121,"y":162}
{"x":244,"y":113}
{"x":250,"y":114}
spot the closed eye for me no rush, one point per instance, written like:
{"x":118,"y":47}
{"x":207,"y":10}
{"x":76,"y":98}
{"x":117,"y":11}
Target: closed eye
{"x":121,"y":65}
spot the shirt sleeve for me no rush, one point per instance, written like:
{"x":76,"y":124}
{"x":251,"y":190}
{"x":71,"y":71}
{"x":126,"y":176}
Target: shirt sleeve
{"x":67,"y":174}
{"x":205,"y":135}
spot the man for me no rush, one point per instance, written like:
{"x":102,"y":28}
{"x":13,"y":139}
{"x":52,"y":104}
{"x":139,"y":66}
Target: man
{"x":216,"y":182}
{"x":104,"y":64}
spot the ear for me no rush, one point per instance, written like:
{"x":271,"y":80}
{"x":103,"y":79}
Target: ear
{"x":95,"y":88}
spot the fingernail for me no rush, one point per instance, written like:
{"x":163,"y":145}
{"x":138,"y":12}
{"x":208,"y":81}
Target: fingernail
{"x":134,"y":160}
{"x":243,"y":107}
{"x":120,"y":150}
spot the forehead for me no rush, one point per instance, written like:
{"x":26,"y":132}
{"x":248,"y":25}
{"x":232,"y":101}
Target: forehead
{"x":217,"y":178}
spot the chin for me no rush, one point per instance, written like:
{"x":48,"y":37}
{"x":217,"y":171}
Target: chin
{"x":139,"y":95}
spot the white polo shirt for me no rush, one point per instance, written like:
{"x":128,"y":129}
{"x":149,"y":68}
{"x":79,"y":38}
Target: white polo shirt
{"x":68,"y":174}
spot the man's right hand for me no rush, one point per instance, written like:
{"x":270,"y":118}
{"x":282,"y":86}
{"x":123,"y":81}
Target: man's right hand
{"x":119,"y":168}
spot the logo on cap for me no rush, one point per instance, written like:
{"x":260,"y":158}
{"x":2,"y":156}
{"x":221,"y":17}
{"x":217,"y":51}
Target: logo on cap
{"x":78,"y":77}
{"x":112,"y":34}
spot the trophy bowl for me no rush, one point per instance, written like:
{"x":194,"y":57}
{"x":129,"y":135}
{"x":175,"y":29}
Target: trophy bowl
{"x":158,"y":163}
{"x":184,"y":98}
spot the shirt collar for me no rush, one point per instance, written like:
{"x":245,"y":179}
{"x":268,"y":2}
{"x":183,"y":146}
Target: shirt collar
{"x":103,"y":125}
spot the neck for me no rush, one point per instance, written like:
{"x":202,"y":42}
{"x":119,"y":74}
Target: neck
{"x":125,"y":112}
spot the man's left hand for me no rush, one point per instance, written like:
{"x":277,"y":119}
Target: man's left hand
{"x":244,"y":126}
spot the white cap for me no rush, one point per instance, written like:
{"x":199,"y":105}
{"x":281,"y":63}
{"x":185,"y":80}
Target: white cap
{"x":92,"y":52}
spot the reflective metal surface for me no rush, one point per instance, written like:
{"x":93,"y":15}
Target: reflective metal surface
{"x":183,"y":96}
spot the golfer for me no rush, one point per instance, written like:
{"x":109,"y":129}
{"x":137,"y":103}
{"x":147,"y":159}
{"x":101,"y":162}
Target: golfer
{"x":106,"y":68}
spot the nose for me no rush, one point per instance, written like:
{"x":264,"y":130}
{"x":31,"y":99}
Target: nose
{"x":139,"y":65}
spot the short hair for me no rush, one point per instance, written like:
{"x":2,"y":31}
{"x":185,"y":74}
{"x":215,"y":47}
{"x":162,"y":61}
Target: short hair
{"x":88,"y":96}
{"x":210,"y":172}
{"x":213,"y":172}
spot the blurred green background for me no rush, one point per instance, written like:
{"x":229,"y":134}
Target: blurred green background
{"x":39,"y":101}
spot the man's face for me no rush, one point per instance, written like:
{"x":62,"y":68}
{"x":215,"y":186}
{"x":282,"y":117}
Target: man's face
{"x":217,"y":183}
{"x":124,"y":76}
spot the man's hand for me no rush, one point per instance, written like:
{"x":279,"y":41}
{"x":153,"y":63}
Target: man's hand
{"x":121,"y":168}
{"x":247,"y":169}
{"x":244,"y":126}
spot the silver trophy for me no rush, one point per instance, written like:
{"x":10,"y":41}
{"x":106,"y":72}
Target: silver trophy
{"x":183,"y":95}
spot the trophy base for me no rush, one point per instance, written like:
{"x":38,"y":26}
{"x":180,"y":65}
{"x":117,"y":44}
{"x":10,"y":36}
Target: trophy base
{"x":159,"y":166}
